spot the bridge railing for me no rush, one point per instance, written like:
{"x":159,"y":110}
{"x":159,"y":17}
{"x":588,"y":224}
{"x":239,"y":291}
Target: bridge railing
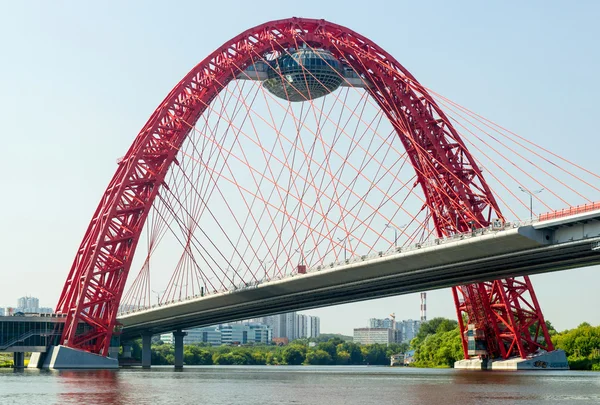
{"x":493,"y":228}
{"x":578,"y":209}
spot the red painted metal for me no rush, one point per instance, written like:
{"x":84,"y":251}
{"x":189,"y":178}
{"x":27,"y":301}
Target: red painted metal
{"x":456,"y":194}
{"x":579,"y":209}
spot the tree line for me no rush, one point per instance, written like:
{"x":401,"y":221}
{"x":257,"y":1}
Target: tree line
{"x":437,"y":344}
{"x":335,"y":351}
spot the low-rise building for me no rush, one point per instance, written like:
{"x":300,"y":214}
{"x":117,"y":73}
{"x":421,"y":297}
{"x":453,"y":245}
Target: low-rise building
{"x":234,"y":333}
{"x":367,"y":336}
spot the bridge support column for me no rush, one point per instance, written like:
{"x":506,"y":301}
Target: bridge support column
{"x":178,"y":338}
{"x":19,"y":360}
{"x":146,"y":350}
{"x":127,"y":350}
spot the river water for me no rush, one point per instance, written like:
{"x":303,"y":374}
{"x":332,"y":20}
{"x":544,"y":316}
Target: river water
{"x":339,"y":385}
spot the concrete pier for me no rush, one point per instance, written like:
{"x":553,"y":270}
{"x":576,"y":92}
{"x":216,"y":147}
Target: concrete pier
{"x":146,"y":350}
{"x":178,"y":338}
{"x":19,"y":360}
{"x":127,"y":350}
{"x":62,"y":357}
{"x":555,"y":360}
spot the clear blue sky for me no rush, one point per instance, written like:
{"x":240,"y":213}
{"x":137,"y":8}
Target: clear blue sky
{"x":79,"y":79}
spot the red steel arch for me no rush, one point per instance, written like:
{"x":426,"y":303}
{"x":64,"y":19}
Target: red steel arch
{"x":455,"y":190}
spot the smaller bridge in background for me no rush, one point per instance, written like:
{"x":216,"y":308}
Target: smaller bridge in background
{"x":20,"y":334}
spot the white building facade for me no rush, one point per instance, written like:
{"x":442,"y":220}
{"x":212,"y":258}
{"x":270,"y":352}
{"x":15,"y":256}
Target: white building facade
{"x":409,"y":329}
{"x":368,"y":336}
{"x":226,"y":334}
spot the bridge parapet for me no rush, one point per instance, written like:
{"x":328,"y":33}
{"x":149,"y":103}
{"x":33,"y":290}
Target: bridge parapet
{"x":523,"y":227}
{"x":522,"y":248}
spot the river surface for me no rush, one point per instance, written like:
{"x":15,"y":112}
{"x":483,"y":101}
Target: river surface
{"x":297,"y":385}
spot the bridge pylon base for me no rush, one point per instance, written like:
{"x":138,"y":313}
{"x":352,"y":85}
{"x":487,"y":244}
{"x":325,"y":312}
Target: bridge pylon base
{"x":62,"y":357}
{"x":554,"y":360}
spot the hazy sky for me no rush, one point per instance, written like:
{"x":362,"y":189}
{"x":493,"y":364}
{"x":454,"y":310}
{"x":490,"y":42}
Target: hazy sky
{"x":77,"y":82}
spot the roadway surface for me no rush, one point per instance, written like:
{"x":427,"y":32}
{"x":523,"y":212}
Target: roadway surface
{"x":486,"y":254}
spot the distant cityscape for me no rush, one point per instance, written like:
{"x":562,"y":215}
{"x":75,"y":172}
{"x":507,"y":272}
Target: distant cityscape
{"x":278,"y":329}
{"x":26,"y":305}
{"x":386,"y":331}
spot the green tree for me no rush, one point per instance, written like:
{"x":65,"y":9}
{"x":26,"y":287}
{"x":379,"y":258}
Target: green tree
{"x":259,"y":358}
{"x":330,"y":347}
{"x":440,"y":349}
{"x":376,"y":354}
{"x":581,"y":345}
{"x":318,"y":358}
{"x":342,"y":358}
{"x":436,"y":325}
{"x":227,"y":359}
{"x":294,"y":355}
{"x":395,"y":348}
{"x":353,"y":349}
{"x":194,"y":355}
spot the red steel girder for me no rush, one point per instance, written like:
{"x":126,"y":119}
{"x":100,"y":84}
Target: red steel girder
{"x":455,"y":190}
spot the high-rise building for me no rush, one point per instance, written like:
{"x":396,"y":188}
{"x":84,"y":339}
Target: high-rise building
{"x":272,"y":321}
{"x":380,"y":323}
{"x":2,"y":311}
{"x":28,"y":305}
{"x":287,"y":325}
{"x":408,"y":329}
{"x":314,"y":329}
{"x":301,"y":326}
{"x":292,"y":325}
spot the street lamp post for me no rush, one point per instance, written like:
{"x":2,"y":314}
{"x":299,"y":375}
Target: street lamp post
{"x":264,"y":266}
{"x":395,"y":232}
{"x":158,"y":294}
{"x":344,"y":240}
{"x":531,"y":193}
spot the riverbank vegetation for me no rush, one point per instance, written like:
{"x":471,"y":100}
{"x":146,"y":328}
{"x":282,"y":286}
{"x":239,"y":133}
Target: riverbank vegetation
{"x":6,"y":360}
{"x":437,"y":345}
{"x":335,"y":351}
{"x":582,"y":346}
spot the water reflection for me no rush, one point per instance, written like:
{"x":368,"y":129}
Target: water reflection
{"x":297,"y":385}
{"x":86,"y":386}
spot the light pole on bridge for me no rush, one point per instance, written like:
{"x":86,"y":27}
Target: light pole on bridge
{"x":396,"y":232}
{"x":344,"y":240}
{"x":158,"y":294}
{"x":264,"y":264}
{"x":531,"y":193}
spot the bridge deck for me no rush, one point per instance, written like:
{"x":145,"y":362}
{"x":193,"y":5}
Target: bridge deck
{"x":481,"y":256}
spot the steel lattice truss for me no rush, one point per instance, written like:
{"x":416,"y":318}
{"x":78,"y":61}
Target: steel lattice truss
{"x":245,"y":187}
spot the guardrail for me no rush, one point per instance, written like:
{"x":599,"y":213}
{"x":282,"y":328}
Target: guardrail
{"x":579,"y":209}
{"x":493,"y":228}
